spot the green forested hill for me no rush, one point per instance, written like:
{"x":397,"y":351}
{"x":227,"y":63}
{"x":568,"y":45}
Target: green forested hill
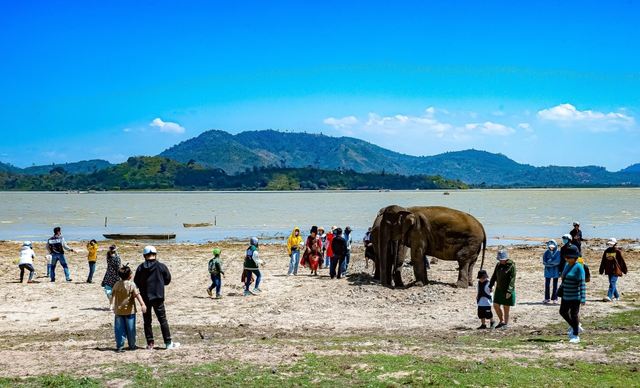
{"x":152,"y":173}
{"x":83,"y":166}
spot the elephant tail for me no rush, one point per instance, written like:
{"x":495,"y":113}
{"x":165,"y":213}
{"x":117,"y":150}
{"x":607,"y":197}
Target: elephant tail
{"x":484,"y":246}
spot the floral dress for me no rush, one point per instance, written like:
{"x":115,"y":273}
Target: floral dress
{"x":111,"y":276}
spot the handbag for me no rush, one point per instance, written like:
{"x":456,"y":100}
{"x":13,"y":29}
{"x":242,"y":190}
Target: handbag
{"x":560,"y":291}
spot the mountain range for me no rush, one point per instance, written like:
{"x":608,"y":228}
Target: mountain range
{"x":236,"y":153}
{"x":275,"y":149}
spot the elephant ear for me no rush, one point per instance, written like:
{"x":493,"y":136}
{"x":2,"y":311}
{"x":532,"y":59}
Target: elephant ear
{"x":408,"y":221}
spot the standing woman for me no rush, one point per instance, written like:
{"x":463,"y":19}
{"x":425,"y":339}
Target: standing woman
{"x":614,"y":266}
{"x":92,"y":248}
{"x":294,"y":244}
{"x":111,"y":276}
{"x":313,"y":250}
{"x":574,"y":292}
{"x":504,"y":278}
{"x":551,"y":261}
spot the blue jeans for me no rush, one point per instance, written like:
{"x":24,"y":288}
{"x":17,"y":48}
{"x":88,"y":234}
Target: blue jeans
{"x":547,"y":283}
{"x":294,"y":260}
{"x":55,"y":257}
{"x":92,"y":269}
{"x":124,"y":326}
{"x":48,"y":270}
{"x":258,"y":278}
{"x":613,"y":290}
{"x":327,"y":261}
{"x":345,"y":265}
{"x":216,"y":282}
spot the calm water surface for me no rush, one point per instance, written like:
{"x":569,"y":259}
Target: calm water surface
{"x":535,"y":213}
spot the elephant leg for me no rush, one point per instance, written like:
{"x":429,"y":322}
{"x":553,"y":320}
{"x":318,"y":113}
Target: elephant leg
{"x":463,"y":274}
{"x":470,"y":275}
{"x":397,"y":278}
{"x":419,"y":265}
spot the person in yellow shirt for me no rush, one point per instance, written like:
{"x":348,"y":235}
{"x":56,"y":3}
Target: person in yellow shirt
{"x":294,"y":244}
{"x":92,"y":247}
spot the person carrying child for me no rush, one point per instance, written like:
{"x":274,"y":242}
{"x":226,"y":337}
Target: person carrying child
{"x":251,"y":266}
{"x":216,"y":270}
{"x":26,"y":261}
{"x":151,"y":277}
{"x":92,"y":248}
{"x":484,"y":300}
{"x":125,"y":294}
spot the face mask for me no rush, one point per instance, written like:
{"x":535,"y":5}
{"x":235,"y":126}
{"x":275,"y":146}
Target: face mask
{"x":552,"y":248}
{"x":564,"y":240}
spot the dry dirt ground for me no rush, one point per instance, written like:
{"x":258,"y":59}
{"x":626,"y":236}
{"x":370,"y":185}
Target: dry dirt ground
{"x":67,"y":326}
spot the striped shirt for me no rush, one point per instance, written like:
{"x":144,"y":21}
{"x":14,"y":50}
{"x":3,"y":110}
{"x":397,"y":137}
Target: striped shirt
{"x":573,"y":284}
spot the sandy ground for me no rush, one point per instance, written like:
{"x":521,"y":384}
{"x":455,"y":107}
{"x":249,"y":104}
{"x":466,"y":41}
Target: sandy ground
{"x":66,"y":326}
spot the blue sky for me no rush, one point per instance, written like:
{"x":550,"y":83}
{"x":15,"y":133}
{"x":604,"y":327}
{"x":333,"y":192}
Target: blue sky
{"x":543,"y":82}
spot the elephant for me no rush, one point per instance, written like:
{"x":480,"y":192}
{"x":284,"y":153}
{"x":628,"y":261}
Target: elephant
{"x":438,"y":231}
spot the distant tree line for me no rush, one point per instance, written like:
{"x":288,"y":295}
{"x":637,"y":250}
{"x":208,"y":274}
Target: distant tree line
{"x":157,"y":173}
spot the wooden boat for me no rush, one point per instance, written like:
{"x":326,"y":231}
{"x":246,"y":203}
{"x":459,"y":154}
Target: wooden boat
{"x":166,"y":236}
{"x":200,"y":225}
{"x":446,"y":193}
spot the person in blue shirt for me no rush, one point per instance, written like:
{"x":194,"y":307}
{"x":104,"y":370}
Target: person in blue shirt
{"x":551,"y":262}
{"x":574,"y":292}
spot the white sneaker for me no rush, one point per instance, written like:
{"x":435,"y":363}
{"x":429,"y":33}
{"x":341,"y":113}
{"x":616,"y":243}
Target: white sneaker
{"x":606,"y":299}
{"x":173,"y":345}
{"x":580,"y":329}
{"x":574,"y":339}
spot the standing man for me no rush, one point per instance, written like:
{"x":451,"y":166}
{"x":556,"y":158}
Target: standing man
{"x":576,"y":236}
{"x":56,"y":246}
{"x":347,"y":238}
{"x":151,"y":277}
{"x":339,"y":250}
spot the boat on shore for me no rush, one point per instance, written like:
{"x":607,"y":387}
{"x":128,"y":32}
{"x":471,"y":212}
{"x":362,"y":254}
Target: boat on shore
{"x":135,"y":236}
{"x":200,"y":225}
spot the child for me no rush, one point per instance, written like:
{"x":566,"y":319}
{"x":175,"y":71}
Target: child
{"x":26,"y":261}
{"x":484,"y":300}
{"x":215,"y":269}
{"x":125,"y":294}
{"x":48,"y":262}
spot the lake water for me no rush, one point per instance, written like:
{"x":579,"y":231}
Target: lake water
{"x":530,"y":212}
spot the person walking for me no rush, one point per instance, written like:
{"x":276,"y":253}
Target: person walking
{"x":151,"y":278}
{"x":294,"y":244}
{"x":216,"y":271}
{"x":339,"y":253}
{"x":111,"y":276}
{"x":56,"y":246}
{"x":574,"y":293}
{"x":347,"y":238}
{"x":614,"y":266}
{"x":252,"y":262}
{"x":313,"y":251}
{"x":504,"y":279}
{"x":551,"y":261}
{"x":27,"y":255}
{"x":576,"y":236}
{"x":92,"y":248}
{"x":368,"y":250}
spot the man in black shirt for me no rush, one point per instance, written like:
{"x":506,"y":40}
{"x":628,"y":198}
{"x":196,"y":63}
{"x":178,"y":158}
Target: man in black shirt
{"x":339,"y":248}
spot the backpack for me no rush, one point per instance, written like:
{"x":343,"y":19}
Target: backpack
{"x":213,"y":267}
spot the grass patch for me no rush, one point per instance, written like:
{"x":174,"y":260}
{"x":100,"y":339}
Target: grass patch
{"x":361,"y":371}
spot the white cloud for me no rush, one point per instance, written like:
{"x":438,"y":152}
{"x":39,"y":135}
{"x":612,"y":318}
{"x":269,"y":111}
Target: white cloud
{"x":397,"y":123}
{"x":526,"y":127}
{"x":341,"y":123}
{"x":489,"y":128}
{"x":127,"y":129}
{"x":167,"y":127}
{"x":566,"y":115}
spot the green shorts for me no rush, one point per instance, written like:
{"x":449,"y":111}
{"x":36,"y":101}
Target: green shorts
{"x":500,"y":297}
